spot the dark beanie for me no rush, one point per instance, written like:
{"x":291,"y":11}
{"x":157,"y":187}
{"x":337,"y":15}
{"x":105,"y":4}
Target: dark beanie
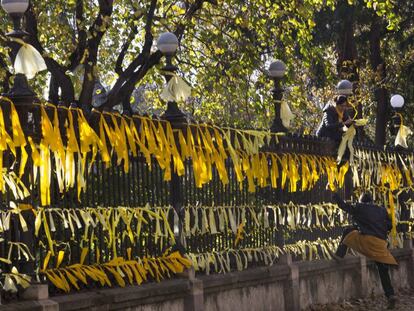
{"x":366,"y":197}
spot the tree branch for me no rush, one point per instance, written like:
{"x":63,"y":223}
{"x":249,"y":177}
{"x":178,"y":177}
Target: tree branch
{"x":5,"y":80}
{"x":77,"y":55}
{"x":53,"y":90}
{"x":123,"y":88}
{"x":97,"y":31}
{"x":143,"y":56}
{"x":129,"y":85}
{"x":197,"y":5}
{"x":148,"y":29}
{"x":3,"y":38}
{"x":99,"y":27}
{"x":118,"y":65}
{"x":134,"y":30}
{"x":139,"y":60}
{"x":58,"y":71}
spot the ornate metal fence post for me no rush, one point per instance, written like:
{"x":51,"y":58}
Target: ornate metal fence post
{"x":403,"y":197}
{"x":176,"y":195}
{"x":23,"y":97}
{"x":168,"y":44}
{"x":25,"y":110}
{"x":277,"y":71}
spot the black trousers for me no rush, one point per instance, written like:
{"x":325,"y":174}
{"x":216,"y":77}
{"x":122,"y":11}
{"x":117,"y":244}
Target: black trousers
{"x":342,"y":248}
{"x":384,"y":274}
{"x":383,"y":269}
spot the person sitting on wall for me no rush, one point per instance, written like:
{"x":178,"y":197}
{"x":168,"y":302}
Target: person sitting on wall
{"x":335,"y":117}
{"x":369,"y":237}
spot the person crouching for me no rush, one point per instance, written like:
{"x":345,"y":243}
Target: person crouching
{"x":369,"y":238}
{"x":335,"y":117}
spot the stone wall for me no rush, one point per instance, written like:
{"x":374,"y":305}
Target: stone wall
{"x":244,"y":290}
{"x":324,"y":282}
{"x":401,"y":276}
{"x":286,"y":286}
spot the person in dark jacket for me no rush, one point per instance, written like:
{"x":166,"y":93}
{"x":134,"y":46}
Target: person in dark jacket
{"x":335,"y":117}
{"x":369,"y":237}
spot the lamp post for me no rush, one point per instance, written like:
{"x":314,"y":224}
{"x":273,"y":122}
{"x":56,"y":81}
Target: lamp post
{"x":277,"y":71}
{"x":16,"y":9}
{"x":21,"y":91}
{"x":397,"y":103}
{"x":167,"y":43}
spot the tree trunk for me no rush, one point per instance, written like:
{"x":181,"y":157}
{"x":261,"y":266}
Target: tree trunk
{"x":63,"y":82}
{"x":5,"y":82}
{"x":121,"y":92}
{"x":98,"y":30}
{"x":346,"y":46}
{"x":85,"y":98}
{"x":115,"y":92}
{"x":378,"y":67}
{"x":53,"y":90}
{"x":347,"y":62}
{"x":57,"y":71}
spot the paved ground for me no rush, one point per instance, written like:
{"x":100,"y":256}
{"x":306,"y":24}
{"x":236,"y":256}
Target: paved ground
{"x":405,"y":303}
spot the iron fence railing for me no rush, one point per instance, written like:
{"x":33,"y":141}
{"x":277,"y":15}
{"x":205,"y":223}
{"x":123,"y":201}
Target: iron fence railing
{"x":131,"y":211}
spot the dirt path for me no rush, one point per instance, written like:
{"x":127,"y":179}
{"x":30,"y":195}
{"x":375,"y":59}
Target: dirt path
{"x":405,"y":303}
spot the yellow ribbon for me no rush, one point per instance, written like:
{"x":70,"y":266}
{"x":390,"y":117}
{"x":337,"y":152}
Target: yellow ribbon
{"x":176,"y":89}
{"x":28,"y":60}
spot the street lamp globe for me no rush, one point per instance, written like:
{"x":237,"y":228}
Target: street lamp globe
{"x":277,"y":69}
{"x":344,"y":87}
{"x":16,"y":9}
{"x":397,"y":101}
{"x":15,"y":6}
{"x":167,"y":43}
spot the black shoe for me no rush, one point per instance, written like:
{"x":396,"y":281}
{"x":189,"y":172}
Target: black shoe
{"x":341,"y":250}
{"x":335,"y":256}
{"x":392,"y":300}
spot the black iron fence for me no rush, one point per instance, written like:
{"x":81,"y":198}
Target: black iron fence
{"x":106,"y":200}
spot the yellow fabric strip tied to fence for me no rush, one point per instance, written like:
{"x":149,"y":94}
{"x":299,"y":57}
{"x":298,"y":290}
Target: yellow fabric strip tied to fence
{"x":207,"y":146}
{"x":135,"y":271}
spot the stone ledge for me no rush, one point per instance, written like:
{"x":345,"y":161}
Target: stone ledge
{"x":252,"y":277}
{"x":79,"y":301}
{"x":402,"y":252}
{"x":308,"y":268}
{"x":192,"y":293}
{"x":41,"y":305}
{"x":36,"y":292}
{"x":128,"y":296}
{"x":398,"y":253}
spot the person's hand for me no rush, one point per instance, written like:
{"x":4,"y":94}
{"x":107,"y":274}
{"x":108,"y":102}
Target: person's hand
{"x":349,"y":122}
